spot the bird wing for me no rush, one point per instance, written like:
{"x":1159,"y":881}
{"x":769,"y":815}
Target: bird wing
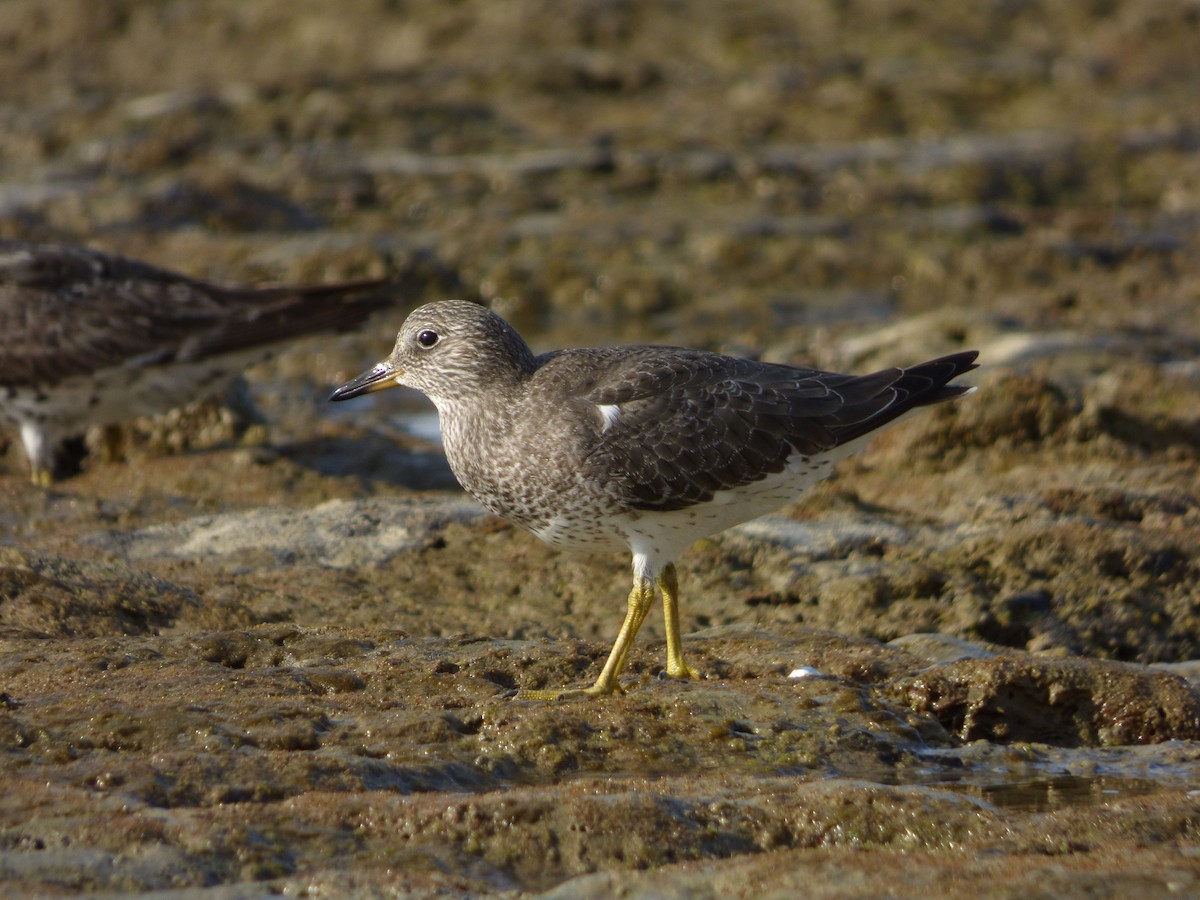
{"x":67,"y":311}
{"x":675,"y":426}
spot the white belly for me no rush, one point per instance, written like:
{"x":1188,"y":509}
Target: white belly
{"x":662,"y":535}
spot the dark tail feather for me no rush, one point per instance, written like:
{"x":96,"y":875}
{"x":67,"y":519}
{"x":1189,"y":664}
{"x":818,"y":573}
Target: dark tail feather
{"x":280,"y":313}
{"x":294,"y":293}
{"x":921,"y":385}
{"x":928,"y":382}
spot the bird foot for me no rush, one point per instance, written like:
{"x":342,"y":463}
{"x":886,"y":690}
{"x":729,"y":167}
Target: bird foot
{"x":682,"y":671}
{"x":554,"y":694}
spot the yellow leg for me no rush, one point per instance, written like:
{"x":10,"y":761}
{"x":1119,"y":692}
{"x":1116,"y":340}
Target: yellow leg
{"x":640,"y":600}
{"x":39,"y":444}
{"x":668,"y":583}
{"x":112,"y":443}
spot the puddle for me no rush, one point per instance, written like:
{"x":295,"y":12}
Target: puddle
{"x":1059,"y":792}
{"x":1036,"y":778}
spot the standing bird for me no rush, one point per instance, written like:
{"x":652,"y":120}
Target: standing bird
{"x":645,"y":448}
{"x":88,"y":338}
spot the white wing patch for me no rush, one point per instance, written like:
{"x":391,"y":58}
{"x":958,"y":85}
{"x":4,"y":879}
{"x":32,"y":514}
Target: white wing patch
{"x":610,"y":412}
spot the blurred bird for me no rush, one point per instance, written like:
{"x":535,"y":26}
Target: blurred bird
{"x":89,"y":338}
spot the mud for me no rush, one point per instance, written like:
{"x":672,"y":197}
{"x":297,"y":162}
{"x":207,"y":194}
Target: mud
{"x":273,"y":651}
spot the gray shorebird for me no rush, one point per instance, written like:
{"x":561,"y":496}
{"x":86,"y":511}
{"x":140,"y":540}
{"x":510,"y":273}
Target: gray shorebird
{"x":88,"y":338}
{"x":644,"y":448}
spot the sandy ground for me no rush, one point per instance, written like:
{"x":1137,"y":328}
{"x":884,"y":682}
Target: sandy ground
{"x":276,"y":657}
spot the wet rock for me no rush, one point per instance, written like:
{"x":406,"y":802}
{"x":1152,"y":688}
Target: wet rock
{"x":339,"y":533}
{"x":1189,"y":670}
{"x":824,"y":872}
{"x":830,"y":537}
{"x":939,"y":648}
{"x":594,"y":71}
{"x":224,"y":205}
{"x":49,"y":595}
{"x":1065,"y":702}
{"x":1009,"y":410}
{"x":250,"y":753}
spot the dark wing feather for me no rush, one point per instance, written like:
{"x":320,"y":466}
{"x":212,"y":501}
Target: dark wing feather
{"x":693,"y":423}
{"x":68,"y":310}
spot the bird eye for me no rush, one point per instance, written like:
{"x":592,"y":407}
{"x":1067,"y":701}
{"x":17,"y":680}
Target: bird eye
{"x":427,"y":338}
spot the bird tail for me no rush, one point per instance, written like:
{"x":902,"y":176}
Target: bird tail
{"x":273,"y":314}
{"x":875,"y":400}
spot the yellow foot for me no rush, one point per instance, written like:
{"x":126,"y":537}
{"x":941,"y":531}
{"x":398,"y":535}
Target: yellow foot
{"x":680,"y":669}
{"x":41,"y":477}
{"x":553,"y":694}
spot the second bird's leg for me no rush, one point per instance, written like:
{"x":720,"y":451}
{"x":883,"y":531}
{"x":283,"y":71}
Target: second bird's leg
{"x":668,"y":583}
{"x":109,"y":442}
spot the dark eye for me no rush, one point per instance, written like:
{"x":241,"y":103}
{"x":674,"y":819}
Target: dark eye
{"x":427,"y":338}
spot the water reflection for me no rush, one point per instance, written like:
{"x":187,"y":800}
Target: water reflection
{"x":1061,"y":791}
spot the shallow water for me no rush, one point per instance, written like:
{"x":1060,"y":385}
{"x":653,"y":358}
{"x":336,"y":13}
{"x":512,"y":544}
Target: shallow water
{"x":1064,"y":791}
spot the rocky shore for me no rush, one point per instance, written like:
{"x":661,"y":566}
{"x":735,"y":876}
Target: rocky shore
{"x":274,"y":653}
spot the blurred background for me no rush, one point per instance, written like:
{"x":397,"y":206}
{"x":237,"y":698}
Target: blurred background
{"x":614,"y":170}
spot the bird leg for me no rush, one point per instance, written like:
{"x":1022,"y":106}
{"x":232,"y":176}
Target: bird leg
{"x":39,"y":447}
{"x":109,"y":441}
{"x":668,"y":583}
{"x":640,"y":600}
